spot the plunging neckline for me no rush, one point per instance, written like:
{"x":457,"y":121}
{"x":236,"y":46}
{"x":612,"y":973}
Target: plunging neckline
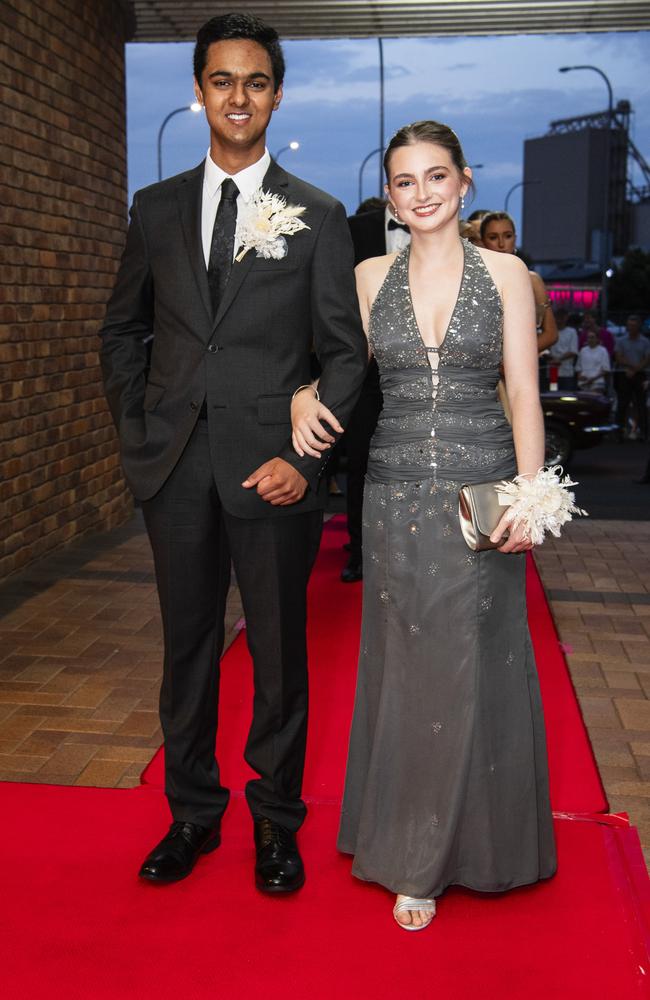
{"x":436,"y":350}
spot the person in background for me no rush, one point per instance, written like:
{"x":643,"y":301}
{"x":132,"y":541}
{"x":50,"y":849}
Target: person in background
{"x":564,"y":351}
{"x":473,"y":233}
{"x":374,"y":233}
{"x":369,"y":233}
{"x":606,"y":337}
{"x":593,"y":364}
{"x":498,"y":233}
{"x":372,"y":204}
{"x":374,"y":229}
{"x":632,"y":358}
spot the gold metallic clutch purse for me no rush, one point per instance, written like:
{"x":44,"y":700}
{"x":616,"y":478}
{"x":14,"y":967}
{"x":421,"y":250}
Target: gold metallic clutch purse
{"x":480,"y":508}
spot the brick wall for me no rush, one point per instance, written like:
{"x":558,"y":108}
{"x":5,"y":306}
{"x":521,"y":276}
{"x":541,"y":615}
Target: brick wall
{"x":62,"y":224}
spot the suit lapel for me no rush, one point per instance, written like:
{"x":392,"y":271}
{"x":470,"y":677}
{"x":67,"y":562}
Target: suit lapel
{"x":276,"y":181}
{"x":189,"y":194}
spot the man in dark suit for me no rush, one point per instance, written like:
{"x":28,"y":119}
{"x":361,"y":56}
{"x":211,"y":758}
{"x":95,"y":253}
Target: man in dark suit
{"x":374,"y":233}
{"x":206,"y":440}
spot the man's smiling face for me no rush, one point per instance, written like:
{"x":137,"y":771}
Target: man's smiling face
{"x":238,"y":91}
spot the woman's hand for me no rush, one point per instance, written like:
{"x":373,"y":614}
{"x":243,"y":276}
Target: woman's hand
{"x":516,"y":541}
{"x":308,"y":434}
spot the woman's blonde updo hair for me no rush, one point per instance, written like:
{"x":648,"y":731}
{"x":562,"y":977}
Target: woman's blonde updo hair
{"x":433,"y":132}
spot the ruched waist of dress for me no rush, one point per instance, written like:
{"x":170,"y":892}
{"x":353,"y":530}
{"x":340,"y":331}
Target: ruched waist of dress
{"x":456,"y":462}
{"x":396,"y":383}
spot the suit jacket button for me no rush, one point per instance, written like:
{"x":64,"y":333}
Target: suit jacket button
{"x":213,"y":348}
{"x":194,"y":405}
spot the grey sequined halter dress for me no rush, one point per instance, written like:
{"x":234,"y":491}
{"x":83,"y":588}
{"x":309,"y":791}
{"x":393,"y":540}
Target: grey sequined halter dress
{"x":447,"y":779}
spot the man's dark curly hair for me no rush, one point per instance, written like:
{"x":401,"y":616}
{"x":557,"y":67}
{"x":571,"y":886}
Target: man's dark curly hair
{"x":233,"y":26}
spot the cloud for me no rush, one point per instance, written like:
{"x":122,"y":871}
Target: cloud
{"x":371,"y":74}
{"x":508,"y":170}
{"x":495,"y":92}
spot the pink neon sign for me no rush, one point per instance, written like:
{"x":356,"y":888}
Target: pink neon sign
{"x":574,"y":298}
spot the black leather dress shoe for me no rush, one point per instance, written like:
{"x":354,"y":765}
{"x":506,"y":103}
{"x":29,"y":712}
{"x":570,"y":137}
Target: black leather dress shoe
{"x":278,"y":866}
{"x":177,"y":853}
{"x":353,"y":571}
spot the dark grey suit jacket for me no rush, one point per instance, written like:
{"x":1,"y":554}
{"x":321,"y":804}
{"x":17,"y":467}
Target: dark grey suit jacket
{"x":368,"y":231}
{"x":247,"y":360}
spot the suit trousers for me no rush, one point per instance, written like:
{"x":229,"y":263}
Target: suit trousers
{"x":194,"y":540}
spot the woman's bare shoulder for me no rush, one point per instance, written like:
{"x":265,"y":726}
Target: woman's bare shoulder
{"x":374,"y":267}
{"x":504,"y":264}
{"x":537,"y":281}
{"x":370,"y":275}
{"x":506,"y":269}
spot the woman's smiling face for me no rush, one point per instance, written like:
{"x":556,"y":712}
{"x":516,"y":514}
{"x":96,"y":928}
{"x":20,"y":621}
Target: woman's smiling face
{"x":425,"y":186}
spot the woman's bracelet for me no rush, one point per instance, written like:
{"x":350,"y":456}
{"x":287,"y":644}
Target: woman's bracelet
{"x":307,"y":386}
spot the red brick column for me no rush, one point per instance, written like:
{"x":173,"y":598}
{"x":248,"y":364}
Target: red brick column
{"x":62,"y":224}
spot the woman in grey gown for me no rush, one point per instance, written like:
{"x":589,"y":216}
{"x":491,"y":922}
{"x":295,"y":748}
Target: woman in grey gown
{"x":447,"y":778}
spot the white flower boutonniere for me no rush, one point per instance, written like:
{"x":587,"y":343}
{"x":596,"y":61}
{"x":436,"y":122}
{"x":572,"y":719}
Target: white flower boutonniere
{"x":263,"y":224}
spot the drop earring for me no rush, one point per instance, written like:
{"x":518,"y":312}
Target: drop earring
{"x":462,"y":202}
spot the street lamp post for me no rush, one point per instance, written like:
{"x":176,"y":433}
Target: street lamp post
{"x":380,"y":189}
{"x":604,"y":242}
{"x":195,"y":107}
{"x":361,"y":169}
{"x":514,"y":187}
{"x":292,"y":145}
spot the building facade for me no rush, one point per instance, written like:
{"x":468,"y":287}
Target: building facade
{"x":63,"y":154}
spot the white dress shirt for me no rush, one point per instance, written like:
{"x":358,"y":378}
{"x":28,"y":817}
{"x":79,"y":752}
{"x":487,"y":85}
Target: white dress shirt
{"x":247,"y":180}
{"x":593,"y":362}
{"x":566,"y":343}
{"x":396,"y":239}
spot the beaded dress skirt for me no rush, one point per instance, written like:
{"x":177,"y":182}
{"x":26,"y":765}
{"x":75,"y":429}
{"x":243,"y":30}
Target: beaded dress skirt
{"x":447,"y":779}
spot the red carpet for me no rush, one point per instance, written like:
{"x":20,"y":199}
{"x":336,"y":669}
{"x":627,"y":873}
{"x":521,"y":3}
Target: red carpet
{"x":334,"y":618}
{"x":76,"y":923}
{"x":79,"y":926}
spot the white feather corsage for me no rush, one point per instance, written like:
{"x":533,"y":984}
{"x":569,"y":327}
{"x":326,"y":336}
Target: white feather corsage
{"x":543,"y":503}
{"x":263,"y":224}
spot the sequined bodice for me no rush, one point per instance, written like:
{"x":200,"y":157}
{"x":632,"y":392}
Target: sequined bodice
{"x":441,"y":417}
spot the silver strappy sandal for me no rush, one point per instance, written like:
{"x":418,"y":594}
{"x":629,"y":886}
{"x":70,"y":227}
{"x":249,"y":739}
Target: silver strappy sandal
{"x":409,"y":903}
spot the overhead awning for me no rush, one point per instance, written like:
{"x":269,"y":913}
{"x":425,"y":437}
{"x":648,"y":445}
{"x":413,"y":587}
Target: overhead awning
{"x":178,"y":20}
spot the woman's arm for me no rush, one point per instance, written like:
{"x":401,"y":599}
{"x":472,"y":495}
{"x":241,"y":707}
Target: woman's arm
{"x":548,"y":334}
{"x":521,"y":373}
{"x":309,"y":436}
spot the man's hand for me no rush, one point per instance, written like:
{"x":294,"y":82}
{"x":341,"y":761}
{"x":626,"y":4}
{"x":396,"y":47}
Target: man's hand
{"x":277,"y":482}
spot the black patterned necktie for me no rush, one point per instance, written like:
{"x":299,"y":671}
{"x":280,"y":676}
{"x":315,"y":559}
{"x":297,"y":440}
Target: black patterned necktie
{"x":222,"y":246}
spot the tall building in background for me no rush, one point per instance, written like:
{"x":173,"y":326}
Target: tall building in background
{"x":565,"y":174}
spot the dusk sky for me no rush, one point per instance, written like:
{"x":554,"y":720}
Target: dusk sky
{"x":495,"y":92}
